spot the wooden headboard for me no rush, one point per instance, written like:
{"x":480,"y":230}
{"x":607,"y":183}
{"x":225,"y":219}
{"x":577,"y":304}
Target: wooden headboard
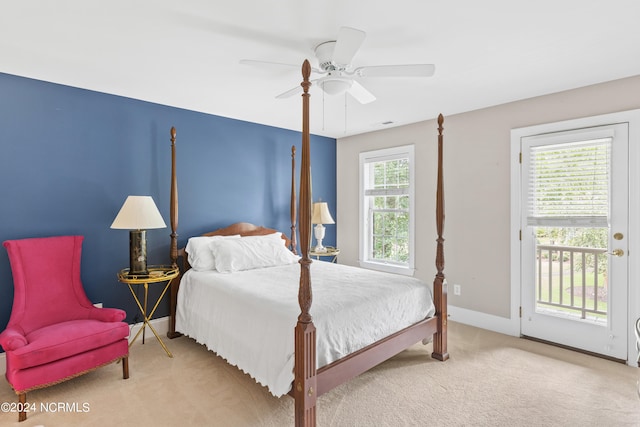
{"x":246,"y":229}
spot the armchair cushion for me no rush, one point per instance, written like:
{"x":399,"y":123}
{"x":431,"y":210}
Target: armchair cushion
{"x":66,"y":339}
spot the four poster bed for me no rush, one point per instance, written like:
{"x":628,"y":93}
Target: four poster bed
{"x":258,"y":314}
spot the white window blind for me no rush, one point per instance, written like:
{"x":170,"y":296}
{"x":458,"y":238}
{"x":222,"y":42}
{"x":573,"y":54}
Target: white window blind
{"x":569,"y":184}
{"x":388,"y":177}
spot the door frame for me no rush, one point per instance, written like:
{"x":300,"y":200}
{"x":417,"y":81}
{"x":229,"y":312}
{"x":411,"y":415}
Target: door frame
{"x":633,"y":118}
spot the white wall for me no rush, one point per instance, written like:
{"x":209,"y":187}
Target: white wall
{"x":477,"y":189}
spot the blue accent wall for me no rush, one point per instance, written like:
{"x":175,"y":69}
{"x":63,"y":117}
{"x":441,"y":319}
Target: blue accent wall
{"x":69,"y":158}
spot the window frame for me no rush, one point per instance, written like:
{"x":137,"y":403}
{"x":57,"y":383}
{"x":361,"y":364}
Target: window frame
{"x":365,"y":226}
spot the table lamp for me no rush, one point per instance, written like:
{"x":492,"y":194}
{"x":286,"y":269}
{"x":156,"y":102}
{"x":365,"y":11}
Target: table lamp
{"x":138,"y":214}
{"x":320,"y":216}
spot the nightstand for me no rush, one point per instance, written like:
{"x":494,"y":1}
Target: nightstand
{"x":157,"y":274}
{"x":330,"y":252}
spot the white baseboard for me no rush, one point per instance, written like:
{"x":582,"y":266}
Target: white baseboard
{"x":484,"y":321}
{"x":161,"y":325}
{"x":457,"y":314}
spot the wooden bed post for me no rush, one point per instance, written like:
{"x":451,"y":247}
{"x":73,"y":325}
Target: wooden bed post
{"x":173,"y":248}
{"x":439,"y":283}
{"x":294,"y":242}
{"x":305,"y":389}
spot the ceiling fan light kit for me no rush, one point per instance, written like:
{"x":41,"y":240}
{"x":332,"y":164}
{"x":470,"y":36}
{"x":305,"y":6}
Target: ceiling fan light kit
{"x":335,"y":85}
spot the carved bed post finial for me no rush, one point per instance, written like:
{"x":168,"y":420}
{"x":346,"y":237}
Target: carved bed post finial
{"x":439,"y":283}
{"x":294,"y":242}
{"x":305,"y":390}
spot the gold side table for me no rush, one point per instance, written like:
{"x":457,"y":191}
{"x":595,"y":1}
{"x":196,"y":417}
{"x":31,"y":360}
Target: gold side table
{"x":157,"y":274}
{"x":330,"y":252}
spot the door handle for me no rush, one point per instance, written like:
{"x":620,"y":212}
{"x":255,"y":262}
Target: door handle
{"x":616,"y":252}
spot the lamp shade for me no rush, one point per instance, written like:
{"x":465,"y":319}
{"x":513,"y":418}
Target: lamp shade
{"x":321,"y":214}
{"x":138,"y":213}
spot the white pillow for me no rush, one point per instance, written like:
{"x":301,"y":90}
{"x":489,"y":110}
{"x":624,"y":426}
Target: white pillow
{"x":198,"y":253}
{"x":251,"y":252}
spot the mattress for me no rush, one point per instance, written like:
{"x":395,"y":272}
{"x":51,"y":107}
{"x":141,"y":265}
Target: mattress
{"x":248,"y":317}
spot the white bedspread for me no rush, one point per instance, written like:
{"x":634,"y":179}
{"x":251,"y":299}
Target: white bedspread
{"x":248,"y":317}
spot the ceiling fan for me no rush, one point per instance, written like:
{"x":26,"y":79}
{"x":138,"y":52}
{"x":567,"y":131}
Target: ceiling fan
{"x":337,"y":75}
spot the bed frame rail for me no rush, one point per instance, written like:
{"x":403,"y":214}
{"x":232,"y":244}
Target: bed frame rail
{"x":351,"y":366}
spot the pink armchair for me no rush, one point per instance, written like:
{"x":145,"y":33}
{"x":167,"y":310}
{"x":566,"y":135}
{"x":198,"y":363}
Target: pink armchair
{"x":54,"y":332}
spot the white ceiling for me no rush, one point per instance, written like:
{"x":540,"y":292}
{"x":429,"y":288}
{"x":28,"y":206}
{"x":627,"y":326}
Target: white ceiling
{"x":186,"y":53}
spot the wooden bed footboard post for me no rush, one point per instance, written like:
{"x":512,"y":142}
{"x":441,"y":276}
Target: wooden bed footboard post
{"x":440,"y":337}
{"x":439,"y":283}
{"x":305,"y":389}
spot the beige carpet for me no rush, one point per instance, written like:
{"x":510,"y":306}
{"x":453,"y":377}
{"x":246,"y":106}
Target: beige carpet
{"x":490,"y":380}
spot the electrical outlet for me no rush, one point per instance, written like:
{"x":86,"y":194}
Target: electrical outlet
{"x":456,"y":289}
{"x":98,"y":305}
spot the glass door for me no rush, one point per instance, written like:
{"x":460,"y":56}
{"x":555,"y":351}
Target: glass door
{"x":574,"y":238}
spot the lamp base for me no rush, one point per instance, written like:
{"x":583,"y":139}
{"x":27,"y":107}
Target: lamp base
{"x":319,"y":233}
{"x":319,"y":248}
{"x":138,"y":253}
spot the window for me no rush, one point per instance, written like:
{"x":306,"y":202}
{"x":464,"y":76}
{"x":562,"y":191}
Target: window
{"x":386,"y":210}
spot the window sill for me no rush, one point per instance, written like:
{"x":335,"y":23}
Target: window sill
{"x":389,"y":268}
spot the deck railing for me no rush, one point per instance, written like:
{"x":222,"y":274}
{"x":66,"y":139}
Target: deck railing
{"x":572,"y":280}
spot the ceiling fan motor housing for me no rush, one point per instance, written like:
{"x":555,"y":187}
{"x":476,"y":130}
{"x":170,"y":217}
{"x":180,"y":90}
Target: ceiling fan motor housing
{"x":324,"y":53}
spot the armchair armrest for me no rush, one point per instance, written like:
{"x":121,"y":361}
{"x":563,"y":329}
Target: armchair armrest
{"x":107,"y":314}
{"x":12,"y":339}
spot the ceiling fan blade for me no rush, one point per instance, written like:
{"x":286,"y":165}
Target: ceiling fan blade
{"x":361,"y":94}
{"x":275,"y":65}
{"x":288,"y":94}
{"x":348,"y":42}
{"x":256,"y":63}
{"x":410,"y":70}
{"x":297,"y":90}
